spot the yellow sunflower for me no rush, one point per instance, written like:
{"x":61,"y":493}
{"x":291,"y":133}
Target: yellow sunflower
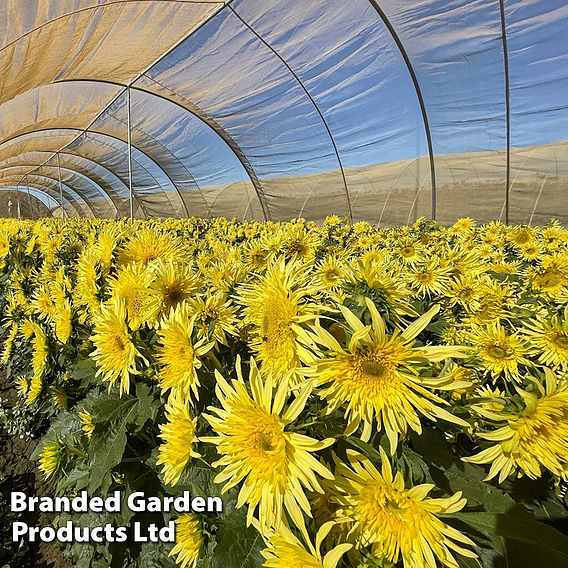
{"x":397,"y":522}
{"x":550,"y":276}
{"x":178,"y":435}
{"x":376,"y":378}
{"x":530,"y":440}
{"x":148,"y":244}
{"x":272,"y":464}
{"x":501,"y":353}
{"x":178,"y":354}
{"x":549,"y":337}
{"x":115,"y":353}
{"x":50,"y":459}
{"x":429,"y":278}
{"x":87,"y":424}
{"x":131,"y":287}
{"x":172,"y":284}
{"x":189,"y":540}
{"x":285,"y":550}
{"x":214,"y":317}
{"x":86,"y":292}
{"x":40,"y":351}
{"x":330,"y":272}
{"x":277,"y":306}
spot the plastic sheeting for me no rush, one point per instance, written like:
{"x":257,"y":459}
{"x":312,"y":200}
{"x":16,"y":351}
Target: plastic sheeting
{"x":376,"y":110}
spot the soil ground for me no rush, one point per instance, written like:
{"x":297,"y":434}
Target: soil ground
{"x":19,"y":473}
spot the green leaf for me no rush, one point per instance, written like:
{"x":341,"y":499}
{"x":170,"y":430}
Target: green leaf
{"x":238,"y":546}
{"x":365,"y":448}
{"x":147,"y":410}
{"x":531,"y":532}
{"x":469,"y":482}
{"x":84,"y":371}
{"x":111,"y":407}
{"x":76,"y":479}
{"x":155,"y":555}
{"x":108,"y":444}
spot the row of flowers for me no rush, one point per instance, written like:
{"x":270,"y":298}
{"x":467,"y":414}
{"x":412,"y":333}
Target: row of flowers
{"x":307,"y":368}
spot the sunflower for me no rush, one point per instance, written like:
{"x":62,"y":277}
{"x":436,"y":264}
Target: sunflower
{"x":465,"y":225}
{"x":377,"y":377}
{"x":189,"y":540}
{"x":300,"y":244}
{"x":549,"y":337}
{"x":397,"y":522}
{"x":531,"y":251}
{"x":464,"y":291}
{"x":429,"y":278}
{"x":224,"y":275}
{"x":62,"y":321}
{"x":87,"y":424}
{"x":172,"y":284}
{"x":50,"y":459}
{"x":131,"y":287}
{"x":59,"y":397}
{"x":148,"y":245}
{"x":532,"y":439}
{"x":106,"y":241}
{"x":277,"y":307}
{"x":214,"y":317}
{"x":521,"y":236}
{"x":4,"y":244}
{"x":409,"y":251}
{"x":495,"y":303}
{"x":115,"y":353}
{"x":178,"y":435}
{"x":272,"y":463}
{"x":22,"y":386}
{"x":500,"y":353}
{"x":86,"y":292}
{"x":369,"y":278}
{"x":285,"y":550}
{"x":43,"y":303}
{"x":330,"y":272}
{"x":40,"y":351}
{"x":550,"y":276}
{"x":178,"y":355}
{"x":9,"y":343}
{"x":35,"y":388}
{"x":256,"y":256}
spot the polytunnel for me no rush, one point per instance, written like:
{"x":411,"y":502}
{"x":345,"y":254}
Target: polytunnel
{"x":374,"y":110}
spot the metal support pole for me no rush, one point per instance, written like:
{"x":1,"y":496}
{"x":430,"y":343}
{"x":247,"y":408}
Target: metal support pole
{"x":18,"y":203}
{"x":131,"y":196}
{"x":30,"y":199}
{"x":60,"y":187}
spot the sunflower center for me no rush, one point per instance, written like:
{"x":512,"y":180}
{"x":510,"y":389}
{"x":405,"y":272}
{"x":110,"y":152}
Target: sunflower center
{"x":425,"y":277}
{"x":173,"y":295}
{"x":466,"y":293}
{"x":298,"y":248}
{"x":258,"y":258}
{"x":560,"y":339}
{"x":522,"y":237}
{"x":119,"y":343}
{"x":332,"y":274}
{"x":375,"y":369}
{"x":384,"y":506}
{"x":408,"y":252}
{"x":499,"y":350}
{"x":268,"y":441}
{"x":550,"y":278}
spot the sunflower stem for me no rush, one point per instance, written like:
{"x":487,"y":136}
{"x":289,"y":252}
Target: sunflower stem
{"x":216,"y":363}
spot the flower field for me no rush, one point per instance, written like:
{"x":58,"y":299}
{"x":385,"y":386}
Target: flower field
{"x":358,"y":396}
